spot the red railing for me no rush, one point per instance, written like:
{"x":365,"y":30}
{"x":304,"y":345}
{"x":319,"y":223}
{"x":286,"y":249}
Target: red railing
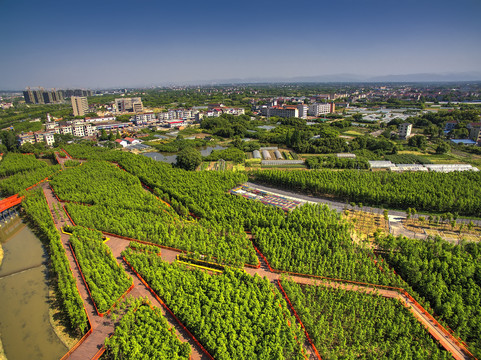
{"x":154,"y":294}
{"x":88,"y":289}
{"x":299,"y":320}
{"x":86,"y":335}
{"x":462,"y":345}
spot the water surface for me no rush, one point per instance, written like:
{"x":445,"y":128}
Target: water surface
{"x":24,"y":321}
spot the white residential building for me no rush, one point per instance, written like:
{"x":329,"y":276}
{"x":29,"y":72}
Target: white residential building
{"x":283,"y":111}
{"x":405,"y":130}
{"x":302,"y":111}
{"x":318,"y":109}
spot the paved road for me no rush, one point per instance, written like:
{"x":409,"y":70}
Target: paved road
{"x":397,"y":229}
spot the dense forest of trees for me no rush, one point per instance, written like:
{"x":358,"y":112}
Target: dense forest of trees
{"x":234,"y":315}
{"x":310,"y":239}
{"x":430,"y":191}
{"x":314,"y":240}
{"x":121,"y":206}
{"x":21,"y":171}
{"x":13,"y":163}
{"x":346,"y":324}
{"x":22,"y":180}
{"x":107,"y":281}
{"x":143,"y":333}
{"x":321,"y":245}
{"x":38,"y":212}
{"x":447,"y":275}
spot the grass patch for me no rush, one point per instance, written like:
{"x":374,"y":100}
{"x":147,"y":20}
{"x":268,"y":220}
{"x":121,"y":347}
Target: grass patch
{"x":352,"y":133}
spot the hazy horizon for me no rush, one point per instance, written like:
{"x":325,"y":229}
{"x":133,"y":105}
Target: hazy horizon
{"x":125,"y":44}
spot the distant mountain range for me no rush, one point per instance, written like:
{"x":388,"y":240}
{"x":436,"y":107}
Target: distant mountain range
{"x":420,"y":77}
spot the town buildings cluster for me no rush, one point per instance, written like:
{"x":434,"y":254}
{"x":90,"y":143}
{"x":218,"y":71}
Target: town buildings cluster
{"x":91,"y":127}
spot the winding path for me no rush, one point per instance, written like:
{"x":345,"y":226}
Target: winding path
{"x":103,"y":327}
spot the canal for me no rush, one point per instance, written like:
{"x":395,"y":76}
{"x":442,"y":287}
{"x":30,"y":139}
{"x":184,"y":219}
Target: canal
{"x":25,"y":329}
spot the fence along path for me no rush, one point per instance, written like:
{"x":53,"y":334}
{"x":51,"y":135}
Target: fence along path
{"x":457,"y":350}
{"x":103,"y":327}
{"x":451,"y":344}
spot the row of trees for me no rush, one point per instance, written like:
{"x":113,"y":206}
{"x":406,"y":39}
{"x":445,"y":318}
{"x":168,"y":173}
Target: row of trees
{"x":197,"y":237}
{"x":143,"y":333}
{"x":22,"y":180}
{"x":38,"y":212}
{"x":346,"y":324}
{"x":447,"y":275}
{"x":429,"y":191}
{"x":106,"y":280}
{"x":333,"y":162}
{"x":234,"y":315}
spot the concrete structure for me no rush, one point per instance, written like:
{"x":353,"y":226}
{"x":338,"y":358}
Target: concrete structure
{"x":302,"y":111}
{"x":144,"y":118}
{"x":129,"y":105}
{"x":100,"y":119}
{"x":47,"y":137}
{"x":26,"y":138}
{"x":80,"y":105}
{"x":42,"y":96}
{"x":283,"y":111}
{"x":346,"y":156}
{"x":75,"y":92}
{"x":318,"y":109}
{"x":450,"y":125}
{"x":175,"y":123}
{"x":405,"y":130}
{"x":475,"y":132}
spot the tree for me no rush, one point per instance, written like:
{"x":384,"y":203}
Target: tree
{"x":442,"y":148}
{"x":386,"y":214}
{"x":189,"y":158}
{"x":418,"y":141}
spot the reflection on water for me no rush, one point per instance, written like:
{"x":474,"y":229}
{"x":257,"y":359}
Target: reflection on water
{"x":24,"y":321}
{"x":171,"y":158}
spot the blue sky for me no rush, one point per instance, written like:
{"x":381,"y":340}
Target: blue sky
{"x":107,"y":43}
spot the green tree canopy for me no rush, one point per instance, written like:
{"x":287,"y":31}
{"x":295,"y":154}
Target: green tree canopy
{"x":189,"y":158}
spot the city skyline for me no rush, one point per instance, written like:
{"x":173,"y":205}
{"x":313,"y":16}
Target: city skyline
{"x":146,"y":44}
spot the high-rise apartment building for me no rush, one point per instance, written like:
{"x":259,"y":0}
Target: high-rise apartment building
{"x":76,"y":92}
{"x":42,"y":96}
{"x":80,"y":105}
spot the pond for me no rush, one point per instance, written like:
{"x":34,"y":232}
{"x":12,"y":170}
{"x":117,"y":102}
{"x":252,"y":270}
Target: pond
{"x":25,"y":328}
{"x":171,"y":158}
